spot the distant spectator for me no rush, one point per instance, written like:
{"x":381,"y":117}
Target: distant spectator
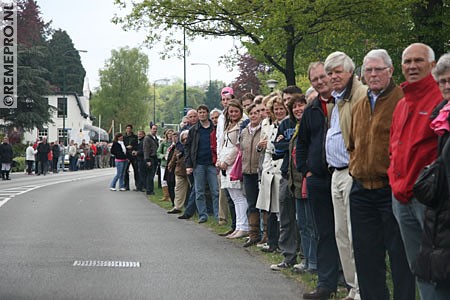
{"x":119,"y":150}
{"x":6,"y":156}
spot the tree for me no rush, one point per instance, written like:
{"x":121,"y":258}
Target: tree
{"x":248,"y":80}
{"x":32,"y":108}
{"x":31,"y":29}
{"x":170,"y":105}
{"x":124,"y":89}
{"x":432,"y":24}
{"x":64,"y":64}
{"x":274,"y":32}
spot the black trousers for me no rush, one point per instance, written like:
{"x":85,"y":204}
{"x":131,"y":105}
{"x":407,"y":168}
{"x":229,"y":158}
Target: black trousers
{"x":375,"y":231}
{"x":133,"y":162}
{"x":319,"y":193}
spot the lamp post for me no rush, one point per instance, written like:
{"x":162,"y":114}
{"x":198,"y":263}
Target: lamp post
{"x":64,"y":91}
{"x":154,"y":96}
{"x":271,"y":83}
{"x":209,"y":70}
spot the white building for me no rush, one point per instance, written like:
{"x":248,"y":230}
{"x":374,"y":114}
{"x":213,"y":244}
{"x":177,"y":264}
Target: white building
{"x":77,"y":120}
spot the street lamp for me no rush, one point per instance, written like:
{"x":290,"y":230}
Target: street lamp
{"x":271,"y":83}
{"x":209,"y":70}
{"x":64,"y":91}
{"x":154,"y":96}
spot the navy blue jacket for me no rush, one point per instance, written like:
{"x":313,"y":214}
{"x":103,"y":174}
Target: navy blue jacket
{"x":311,"y":154}
{"x":286,"y":129}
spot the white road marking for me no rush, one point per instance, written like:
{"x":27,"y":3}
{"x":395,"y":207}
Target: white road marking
{"x":9,"y":193}
{"x":107,"y":263}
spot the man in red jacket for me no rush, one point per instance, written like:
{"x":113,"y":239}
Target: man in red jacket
{"x":413,"y":145}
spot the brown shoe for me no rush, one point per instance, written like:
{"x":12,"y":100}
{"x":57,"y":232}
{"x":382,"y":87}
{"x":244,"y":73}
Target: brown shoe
{"x":250,"y":242}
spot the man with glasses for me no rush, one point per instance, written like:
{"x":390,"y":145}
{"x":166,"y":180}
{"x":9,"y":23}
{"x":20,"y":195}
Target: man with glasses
{"x":374,"y":228}
{"x":321,"y":252}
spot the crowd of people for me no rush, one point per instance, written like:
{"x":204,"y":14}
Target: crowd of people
{"x":42,"y":157}
{"x":328,"y":173}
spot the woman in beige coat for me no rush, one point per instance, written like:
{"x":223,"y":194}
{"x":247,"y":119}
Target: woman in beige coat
{"x":270,"y":176}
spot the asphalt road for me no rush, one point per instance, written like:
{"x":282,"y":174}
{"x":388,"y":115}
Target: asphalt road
{"x":66,"y":236}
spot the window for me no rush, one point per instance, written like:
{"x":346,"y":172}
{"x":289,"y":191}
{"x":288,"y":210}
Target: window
{"x":62,"y":107}
{"x":60,"y":133}
{"x":43,"y":133}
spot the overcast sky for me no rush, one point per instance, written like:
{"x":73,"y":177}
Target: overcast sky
{"x":88,"y":23}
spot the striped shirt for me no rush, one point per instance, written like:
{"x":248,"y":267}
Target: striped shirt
{"x":337,"y":155}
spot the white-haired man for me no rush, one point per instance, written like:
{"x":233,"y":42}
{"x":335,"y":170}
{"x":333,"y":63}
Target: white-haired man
{"x":374,"y":228}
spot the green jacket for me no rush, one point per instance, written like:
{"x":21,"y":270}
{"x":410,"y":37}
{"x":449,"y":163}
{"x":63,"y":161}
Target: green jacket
{"x":161,"y":153}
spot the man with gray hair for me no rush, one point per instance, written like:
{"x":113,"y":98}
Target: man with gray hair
{"x":374,"y":228}
{"x":347,"y":90}
{"x":413,"y":145}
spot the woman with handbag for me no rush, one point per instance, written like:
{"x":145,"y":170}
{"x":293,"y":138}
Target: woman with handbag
{"x":433,"y":261}
{"x":227,"y":157}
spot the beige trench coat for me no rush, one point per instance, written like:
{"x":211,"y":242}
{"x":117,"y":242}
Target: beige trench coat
{"x":268,"y":197}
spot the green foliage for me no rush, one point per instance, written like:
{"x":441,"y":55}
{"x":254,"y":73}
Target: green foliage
{"x":169,"y":104}
{"x":32,"y":109}
{"x":19,"y":165}
{"x":64,"y":64}
{"x":287,"y":35}
{"x":124,"y":92}
{"x":19,"y":149}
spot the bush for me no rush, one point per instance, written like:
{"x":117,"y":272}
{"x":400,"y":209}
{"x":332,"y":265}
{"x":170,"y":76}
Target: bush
{"x":19,"y":165}
{"x":19,"y":149}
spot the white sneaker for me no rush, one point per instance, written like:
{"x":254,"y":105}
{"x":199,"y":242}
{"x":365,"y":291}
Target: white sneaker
{"x":112,"y":189}
{"x":122,"y":189}
{"x":300,"y":268}
{"x":262,"y":245}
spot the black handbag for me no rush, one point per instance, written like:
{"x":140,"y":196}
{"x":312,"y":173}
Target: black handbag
{"x":430,"y":183}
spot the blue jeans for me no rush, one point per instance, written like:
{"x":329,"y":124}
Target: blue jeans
{"x":305,"y":226}
{"x":120,"y":175}
{"x":149,"y":177}
{"x":203,"y":174}
{"x":410,"y":217}
{"x":73,"y":163}
{"x":190,"y":203}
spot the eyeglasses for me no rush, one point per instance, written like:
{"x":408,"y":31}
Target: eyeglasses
{"x":443,"y":81}
{"x":316,"y":79}
{"x":377,"y":70}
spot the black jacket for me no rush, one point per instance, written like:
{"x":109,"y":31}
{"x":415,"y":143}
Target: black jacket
{"x":191,"y":146}
{"x":43,"y":149}
{"x":132,"y":140}
{"x":140,"y":149}
{"x":433,"y":261}
{"x":116,"y":150}
{"x":6,"y":153}
{"x":310,"y":153}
